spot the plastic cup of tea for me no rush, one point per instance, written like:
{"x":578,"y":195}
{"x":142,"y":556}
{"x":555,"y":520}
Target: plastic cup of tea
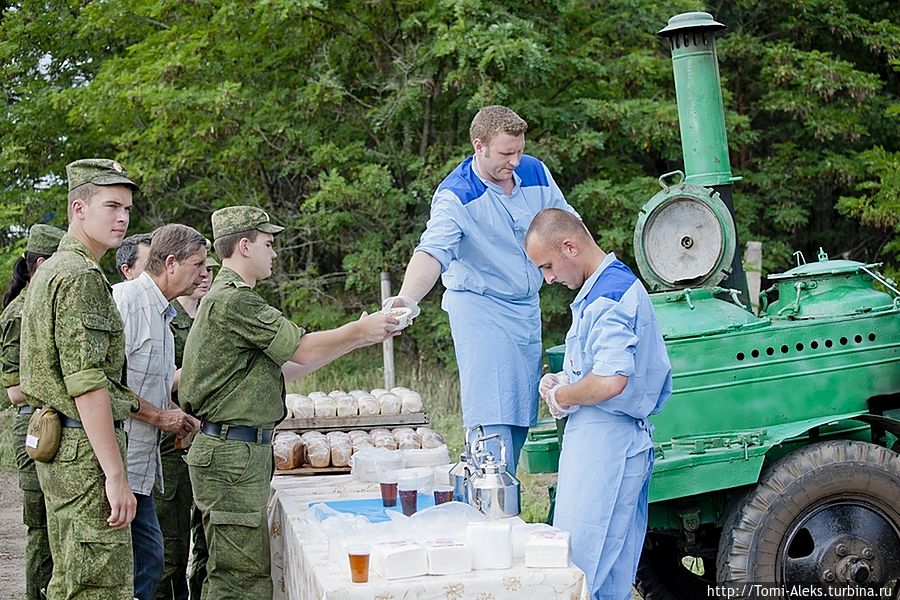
{"x":408,"y":490}
{"x":443,"y":493}
{"x":388,"y":483}
{"x":358,"y":555}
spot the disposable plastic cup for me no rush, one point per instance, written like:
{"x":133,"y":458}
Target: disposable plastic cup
{"x":408,"y":490}
{"x":388,"y":483}
{"x":359,"y":563}
{"x":442,"y":493}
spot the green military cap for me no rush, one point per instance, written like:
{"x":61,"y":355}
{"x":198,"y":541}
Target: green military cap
{"x":99,"y":171}
{"x":211,"y":261}
{"x":235,"y":219}
{"x":43,"y":239}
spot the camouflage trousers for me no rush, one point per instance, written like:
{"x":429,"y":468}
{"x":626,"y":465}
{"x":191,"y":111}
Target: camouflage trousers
{"x":231,"y":488}
{"x":175,"y":510}
{"x":91,"y":560}
{"x":38,"y":562}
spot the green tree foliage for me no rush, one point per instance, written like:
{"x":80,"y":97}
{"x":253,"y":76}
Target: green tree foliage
{"x":341,"y":117}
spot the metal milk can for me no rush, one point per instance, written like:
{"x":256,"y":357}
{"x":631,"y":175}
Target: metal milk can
{"x":459,"y":474}
{"x":491,"y":489}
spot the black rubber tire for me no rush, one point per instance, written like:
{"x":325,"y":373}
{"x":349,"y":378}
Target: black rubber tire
{"x":816,"y":475}
{"x":661,"y":576}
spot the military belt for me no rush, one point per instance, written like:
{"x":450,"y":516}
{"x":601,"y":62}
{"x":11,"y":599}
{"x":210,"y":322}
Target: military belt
{"x":237,"y":432}
{"x":76,"y":424}
{"x":25,"y":409}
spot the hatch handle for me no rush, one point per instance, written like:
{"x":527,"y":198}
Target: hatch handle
{"x":664,"y":176}
{"x":734,"y":297}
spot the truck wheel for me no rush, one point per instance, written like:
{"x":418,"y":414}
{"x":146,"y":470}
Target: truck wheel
{"x":827,"y":513}
{"x":661,"y":574}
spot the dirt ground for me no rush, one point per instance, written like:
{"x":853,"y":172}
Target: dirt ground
{"x":12,"y":539}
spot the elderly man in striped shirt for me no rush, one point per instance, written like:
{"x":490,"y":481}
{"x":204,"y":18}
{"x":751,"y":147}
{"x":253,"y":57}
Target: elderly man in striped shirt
{"x":175,"y":266}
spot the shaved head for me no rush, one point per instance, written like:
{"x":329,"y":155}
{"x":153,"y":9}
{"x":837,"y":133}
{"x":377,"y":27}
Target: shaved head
{"x":553,"y":225}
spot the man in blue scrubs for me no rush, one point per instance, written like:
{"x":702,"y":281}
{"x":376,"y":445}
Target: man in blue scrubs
{"x":475,"y":240}
{"x":617,"y":374}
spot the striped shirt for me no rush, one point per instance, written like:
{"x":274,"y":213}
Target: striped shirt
{"x":150,"y":356}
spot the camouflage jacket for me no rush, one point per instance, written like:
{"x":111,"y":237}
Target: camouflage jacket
{"x":180,"y":326}
{"x":72,"y":339}
{"x":10,"y":328}
{"x":233,"y":356}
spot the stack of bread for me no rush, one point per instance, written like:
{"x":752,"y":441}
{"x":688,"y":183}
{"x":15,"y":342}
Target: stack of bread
{"x":338,"y":403}
{"x":335,"y":448}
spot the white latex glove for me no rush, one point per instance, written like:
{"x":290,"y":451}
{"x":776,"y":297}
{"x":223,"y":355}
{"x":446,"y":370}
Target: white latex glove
{"x":556,"y":411}
{"x":404,"y":302}
{"x":550,"y":380}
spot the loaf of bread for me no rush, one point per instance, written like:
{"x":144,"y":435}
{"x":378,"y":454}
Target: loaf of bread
{"x":368,"y":406}
{"x":346,"y":406}
{"x":325,"y":407}
{"x":390,"y":404}
{"x":287,"y":448}
{"x":339,"y":443}
{"x":429,"y":438}
{"x":411,"y":402}
{"x":300,"y":406}
{"x":382,"y":438}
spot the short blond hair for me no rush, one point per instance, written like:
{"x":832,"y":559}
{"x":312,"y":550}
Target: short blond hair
{"x":491,"y":120}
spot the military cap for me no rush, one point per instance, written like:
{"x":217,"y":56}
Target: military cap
{"x":235,"y":219}
{"x":99,"y":171}
{"x":43,"y":239}
{"x":211,"y":261}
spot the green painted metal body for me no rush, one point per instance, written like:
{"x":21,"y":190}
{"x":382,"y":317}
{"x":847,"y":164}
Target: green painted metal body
{"x":698,"y":91}
{"x":746,"y":386}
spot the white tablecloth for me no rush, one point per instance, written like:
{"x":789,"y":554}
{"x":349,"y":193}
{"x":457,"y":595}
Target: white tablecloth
{"x":302,"y":570}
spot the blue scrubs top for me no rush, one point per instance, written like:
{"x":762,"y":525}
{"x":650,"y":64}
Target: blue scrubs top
{"x":614,"y":332}
{"x":477,"y":234}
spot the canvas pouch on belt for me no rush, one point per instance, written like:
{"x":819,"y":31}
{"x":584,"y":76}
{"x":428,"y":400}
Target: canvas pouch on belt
{"x":42,"y":438}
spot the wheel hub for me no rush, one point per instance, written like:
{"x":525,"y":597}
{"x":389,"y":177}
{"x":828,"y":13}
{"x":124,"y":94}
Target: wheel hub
{"x":841,"y":543}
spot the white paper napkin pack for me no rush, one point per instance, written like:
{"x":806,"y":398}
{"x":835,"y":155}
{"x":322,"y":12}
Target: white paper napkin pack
{"x":447,"y":557}
{"x":490,"y":545}
{"x":548,"y":549}
{"x":398,"y":560}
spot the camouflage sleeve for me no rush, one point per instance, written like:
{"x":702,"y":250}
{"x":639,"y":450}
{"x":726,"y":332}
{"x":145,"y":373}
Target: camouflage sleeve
{"x":264,"y":327}
{"x":10,"y":351}
{"x":83,"y":329}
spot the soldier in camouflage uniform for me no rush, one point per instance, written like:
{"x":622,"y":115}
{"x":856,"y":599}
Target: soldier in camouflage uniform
{"x":72,"y":360}
{"x":238,"y":355}
{"x":42,"y":242}
{"x":178,"y":517}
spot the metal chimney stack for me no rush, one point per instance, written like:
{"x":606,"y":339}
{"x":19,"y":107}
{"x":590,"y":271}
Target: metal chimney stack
{"x":701,"y":115}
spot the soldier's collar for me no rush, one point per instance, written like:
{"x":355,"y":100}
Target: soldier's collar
{"x":229,"y":277}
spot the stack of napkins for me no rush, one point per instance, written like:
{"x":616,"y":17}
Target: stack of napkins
{"x":447,"y":557}
{"x":397,"y":560}
{"x":490,"y":545}
{"x":548,"y":549}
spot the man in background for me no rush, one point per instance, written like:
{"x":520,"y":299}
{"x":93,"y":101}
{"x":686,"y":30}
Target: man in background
{"x":180,"y":521}
{"x":131,"y":257}
{"x":42,"y":243}
{"x":176,"y":264}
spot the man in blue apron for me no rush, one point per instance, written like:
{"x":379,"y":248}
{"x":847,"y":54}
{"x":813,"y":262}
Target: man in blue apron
{"x":617,"y":374}
{"x":474,"y":240}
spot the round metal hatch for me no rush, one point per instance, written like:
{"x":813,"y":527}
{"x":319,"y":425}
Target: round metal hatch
{"x":684,"y":237}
